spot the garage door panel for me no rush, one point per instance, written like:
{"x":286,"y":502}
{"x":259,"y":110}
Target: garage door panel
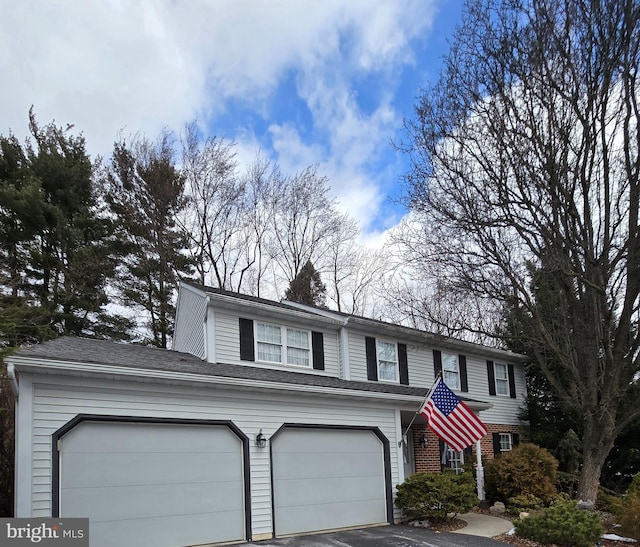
{"x":336,"y":490}
{"x":159,"y":484}
{"x":330,"y":516}
{"x":149,"y":437}
{"x":300,"y":465}
{"x":327,"y":478}
{"x":142,"y":468}
{"x":317,"y":441}
{"x":151,"y":500}
{"x":170,"y":528}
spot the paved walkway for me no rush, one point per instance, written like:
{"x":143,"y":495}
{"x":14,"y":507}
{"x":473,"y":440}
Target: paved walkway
{"x":479,"y":524}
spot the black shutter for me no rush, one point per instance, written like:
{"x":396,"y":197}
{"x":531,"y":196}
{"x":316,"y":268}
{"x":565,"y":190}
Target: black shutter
{"x":442,"y":448}
{"x":437,"y":363}
{"x":491,"y":375}
{"x":512,"y":382}
{"x":515,"y":437}
{"x":468,"y":455}
{"x":247,"y":351}
{"x":496,"y":445}
{"x":462,"y":363}
{"x":317,"y":349}
{"x":372,"y":358}
{"x":402,"y":364}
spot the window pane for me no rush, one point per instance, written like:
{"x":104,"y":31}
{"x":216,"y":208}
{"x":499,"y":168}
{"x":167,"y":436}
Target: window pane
{"x":450,"y":370}
{"x":296,"y":356}
{"x":386,"y":351}
{"x":269,"y":352}
{"x":387,"y":370}
{"x":502,"y":384}
{"x":501,"y":371}
{"x":268,"y":333}
{"x":455,"y":460}
{"x":298,"y":338}
{"x":386,"y":361}
{"x":505,"y":442}
{"x":502,"y":387}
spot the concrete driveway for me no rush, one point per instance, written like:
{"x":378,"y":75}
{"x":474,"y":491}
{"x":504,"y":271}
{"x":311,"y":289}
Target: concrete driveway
{"x":381,"y":536}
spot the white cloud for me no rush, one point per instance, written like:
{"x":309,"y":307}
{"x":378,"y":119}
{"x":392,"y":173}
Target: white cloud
{"x":110,"y":65}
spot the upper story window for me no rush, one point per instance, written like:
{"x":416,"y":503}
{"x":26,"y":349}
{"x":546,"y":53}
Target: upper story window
{"x":502,"y":379}
{"x":283,"y":345}
{"x":453,"y":369}
{"x":450,"y":370}
{"x":387,"y":361}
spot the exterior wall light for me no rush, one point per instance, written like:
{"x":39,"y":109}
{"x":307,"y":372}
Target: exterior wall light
{"x":261,"y":440}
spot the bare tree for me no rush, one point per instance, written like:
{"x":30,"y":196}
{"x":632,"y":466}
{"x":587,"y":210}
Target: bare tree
{"x":304,"y":217}
{"x":525,"y":171}
{"x":420,"y":295}
{"x":264,"y":185}
{"x":216,"y":217}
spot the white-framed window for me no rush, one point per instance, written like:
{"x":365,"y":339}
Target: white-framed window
{"x":450,"y":370}
{"x":502,"y":379}
{"x":387,"y":354}
{"x":506,"y":442}
{"x":455,"y":460}
{"x":283,"y":345}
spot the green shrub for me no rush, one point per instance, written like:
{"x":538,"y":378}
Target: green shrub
{"x":634,"y":487}
{"x":629,"y":509}
{"x":524,"y":502}
{"x":564,"y":524}
{"x":629,"y":515}
{"x":567,"y":483}
{"x":433,"y":496}
{"x":608,"y":502}
{"x":527,"y":469}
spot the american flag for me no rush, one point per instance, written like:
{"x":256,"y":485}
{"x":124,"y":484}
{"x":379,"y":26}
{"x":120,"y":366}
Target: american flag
{"x":450,"y":419}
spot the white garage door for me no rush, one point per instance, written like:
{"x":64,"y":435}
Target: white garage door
{"x":157,"y":484}
{"x":327,"y":478}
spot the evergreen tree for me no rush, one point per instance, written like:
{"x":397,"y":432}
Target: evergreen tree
{"x":57,"y":250}
{"x":307,"y":287}
{"x":145,"y":192}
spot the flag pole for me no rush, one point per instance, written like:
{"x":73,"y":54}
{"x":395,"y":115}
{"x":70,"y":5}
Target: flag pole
{"x":423,"y":401}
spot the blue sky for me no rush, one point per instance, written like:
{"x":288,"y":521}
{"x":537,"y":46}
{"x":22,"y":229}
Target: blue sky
{"x":325,"y":83}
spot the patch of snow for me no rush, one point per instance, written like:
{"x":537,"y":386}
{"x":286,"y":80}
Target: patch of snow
{"x":615,"y":537}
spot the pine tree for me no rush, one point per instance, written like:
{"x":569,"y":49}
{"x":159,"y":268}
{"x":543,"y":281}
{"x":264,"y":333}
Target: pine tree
{"x":307,"y":287}
{"x":57,"y":250}
{"x":145,"y":192}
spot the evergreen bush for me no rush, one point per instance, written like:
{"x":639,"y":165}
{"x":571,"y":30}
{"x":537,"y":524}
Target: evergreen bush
{"x":524,"y":502}
{"x":525,"y":470}
{"x":562,"y":524}
{"x":434,"y":496}
{"x":629,"y":509}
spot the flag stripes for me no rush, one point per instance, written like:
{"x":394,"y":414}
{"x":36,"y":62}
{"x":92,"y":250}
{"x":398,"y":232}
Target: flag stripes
{"x":451,"y":419}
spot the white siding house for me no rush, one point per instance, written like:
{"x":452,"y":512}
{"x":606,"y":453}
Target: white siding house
{"x":267,"y":419}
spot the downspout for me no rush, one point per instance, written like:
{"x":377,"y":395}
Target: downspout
{"x":11,"y":373}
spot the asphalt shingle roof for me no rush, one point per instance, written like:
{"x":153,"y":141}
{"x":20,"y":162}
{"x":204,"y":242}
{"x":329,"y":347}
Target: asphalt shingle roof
{"x":85,"y":350}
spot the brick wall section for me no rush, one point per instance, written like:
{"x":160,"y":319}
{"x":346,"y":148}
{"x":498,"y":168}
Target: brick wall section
{"x":427,"y":458}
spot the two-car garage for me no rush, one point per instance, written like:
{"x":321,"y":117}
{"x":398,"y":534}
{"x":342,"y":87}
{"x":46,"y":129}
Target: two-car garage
{"x":181,"y":482}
